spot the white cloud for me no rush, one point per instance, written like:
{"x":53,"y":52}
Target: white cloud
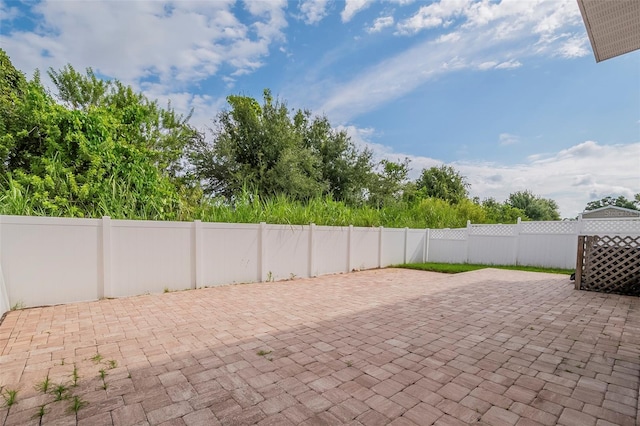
{"x":176,"y":43}
{"x":508,"y":139}
{"x":313,"y":11}
{"x":434,"y":15}
{"x":8,"y":13}
{"x":380,"y":23}
{"x":487,"y":65}
{"x":559,"y":176}
{"x":574,"y":47}
{"x":352,"y":7}
{"x":509,"y":65}
{"x":484,"y":35}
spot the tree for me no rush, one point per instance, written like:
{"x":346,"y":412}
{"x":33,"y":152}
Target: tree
{"x":534,"y":207}
{"x":620,"y":201}
{"x":116,"y":155}
{"x":443,"y":182}
{"x":265,"y":149}
{"x":388,"y":184}
{"x":346,"y":170}
{"x":501,"y":212}
{"x":162,"y":132}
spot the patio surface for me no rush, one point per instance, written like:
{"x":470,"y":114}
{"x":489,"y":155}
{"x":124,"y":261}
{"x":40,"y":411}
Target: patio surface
{"x":377,"y":347}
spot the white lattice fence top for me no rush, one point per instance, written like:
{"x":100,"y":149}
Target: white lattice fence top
{"x":493,"y":230}
{"x":448,"y":234}
{"x":557,"y":227}
{"x":610,"y":226}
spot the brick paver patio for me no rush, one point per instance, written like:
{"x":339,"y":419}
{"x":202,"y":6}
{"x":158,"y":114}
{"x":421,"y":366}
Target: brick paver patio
{"x":377,"y":347}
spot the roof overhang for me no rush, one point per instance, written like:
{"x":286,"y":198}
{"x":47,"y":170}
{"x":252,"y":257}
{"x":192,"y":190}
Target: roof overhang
{"x":613,"y":26}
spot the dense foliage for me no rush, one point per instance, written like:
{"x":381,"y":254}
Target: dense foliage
{"x":620,"y":201}
{"x":96,"y":148}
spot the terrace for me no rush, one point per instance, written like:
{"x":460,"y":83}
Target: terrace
{"x":384,"y":346}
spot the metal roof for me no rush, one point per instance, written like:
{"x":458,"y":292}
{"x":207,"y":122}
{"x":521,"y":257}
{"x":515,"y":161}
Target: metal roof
{"x":613,"y":26}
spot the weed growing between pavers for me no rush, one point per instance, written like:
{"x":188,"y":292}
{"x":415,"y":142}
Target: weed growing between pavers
{"x":60,"y":392}
{"x":9,"y":396}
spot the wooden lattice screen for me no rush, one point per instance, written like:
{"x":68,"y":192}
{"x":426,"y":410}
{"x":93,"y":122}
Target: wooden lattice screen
{"x":609,"y":264}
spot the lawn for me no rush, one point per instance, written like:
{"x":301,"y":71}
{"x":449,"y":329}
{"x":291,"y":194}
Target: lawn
{"x":455,"y":268}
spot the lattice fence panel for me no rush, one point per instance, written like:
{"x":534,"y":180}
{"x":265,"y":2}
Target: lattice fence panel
{"x":558,"y":227}
{"x":493,"y":230}
{"x":449,"y":234}
{"x":609,"y":264}
{"x":611,"y":226}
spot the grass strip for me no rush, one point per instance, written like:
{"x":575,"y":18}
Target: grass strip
{"x":455,"y":268}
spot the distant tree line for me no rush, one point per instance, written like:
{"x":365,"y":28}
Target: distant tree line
{"x":97,"y":148}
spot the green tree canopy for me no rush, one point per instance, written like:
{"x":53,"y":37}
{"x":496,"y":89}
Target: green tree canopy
{"x":443,"y":182}
{"x":534,"y":207}
{"x":266,"y":149}
{"x":113,"y":153}
{"x":619,"y":201}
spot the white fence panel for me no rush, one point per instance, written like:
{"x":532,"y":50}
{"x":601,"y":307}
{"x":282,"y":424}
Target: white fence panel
{"x":448,"y":246}
{"x":331,"y":249}
{"x":47,"y":261}
{"x":492,"y":244}
{"x":416,"y":245}
{"x":365,"y":248}
{"x":553,"y":251}
{"x":230,"y":253}
{"x":393,"y":245}
{"x":287,"y":251}
{"x":151,"y":256}
{"x":487,"y":250}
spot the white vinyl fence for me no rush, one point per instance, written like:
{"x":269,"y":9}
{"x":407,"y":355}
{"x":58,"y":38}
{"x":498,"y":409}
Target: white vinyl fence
{"x":45,"y":261}
{"x":546,"y":244}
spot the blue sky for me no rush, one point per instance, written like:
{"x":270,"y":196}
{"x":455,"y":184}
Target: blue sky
{"x":507,"y":92}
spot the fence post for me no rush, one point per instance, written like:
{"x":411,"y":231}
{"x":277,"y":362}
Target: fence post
{"x":517,"y":237}
{"x":406,"y":242}
{"x":262,"y":251}
{"x":5,"y":304}
{"x":425,"y":248}
{"x":466,"y":240}
{"x":350,"y":249}
{"x":579,"y":262}
{"x":197,"y":254}
{"x":312,"y":263}
{"x":105,"y":289}
{"x":380,"y":247}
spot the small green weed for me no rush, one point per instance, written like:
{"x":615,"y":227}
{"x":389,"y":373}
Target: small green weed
{"x":113,"y":364}
{"x":60,"y":392}
{"x":103,"y":376}
{"x":262,"y":352}
{"x":9,"y":396}
{"x":42,"y":410}
{"x":75,"y":376}
{"x":76,"y":404}
{"x":349,"y":363}
{"x":44,"y":385}
{"x":97,"y":358}
{"x":18,"y":305}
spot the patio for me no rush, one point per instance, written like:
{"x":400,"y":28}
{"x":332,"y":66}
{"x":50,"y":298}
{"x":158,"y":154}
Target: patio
{"x":376,"y":347}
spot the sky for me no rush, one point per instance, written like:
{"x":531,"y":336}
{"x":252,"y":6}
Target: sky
{"x":507,"y":92}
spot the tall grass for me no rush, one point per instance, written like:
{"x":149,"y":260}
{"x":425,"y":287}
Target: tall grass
{"x":120,"y":201}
